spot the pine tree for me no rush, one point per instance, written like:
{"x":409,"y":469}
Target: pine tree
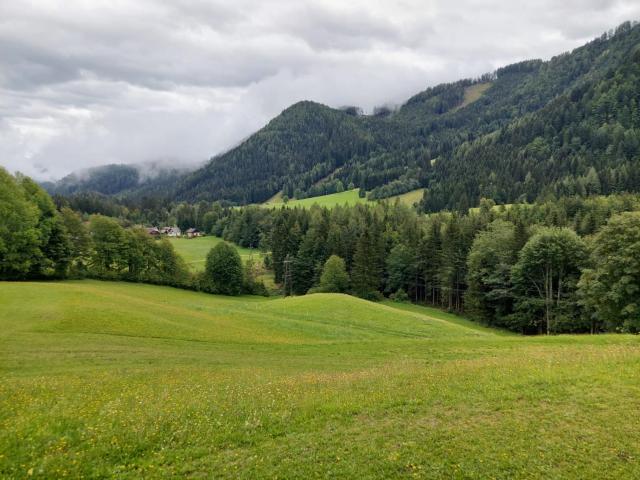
{"x":365,"y":275}
{"x":304,"y":265}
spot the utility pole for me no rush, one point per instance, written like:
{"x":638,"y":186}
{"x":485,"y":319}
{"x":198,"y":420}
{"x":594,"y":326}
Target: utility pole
{"x":287,"y":275}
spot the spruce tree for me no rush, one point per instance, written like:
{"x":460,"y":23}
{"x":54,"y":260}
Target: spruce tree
{"x":365,"y":275}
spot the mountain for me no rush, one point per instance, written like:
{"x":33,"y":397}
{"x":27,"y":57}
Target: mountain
{"x":530,"y":129}
{"x":583,"y":141}
{"x":146,"y":179}
{"x":570,"y":125}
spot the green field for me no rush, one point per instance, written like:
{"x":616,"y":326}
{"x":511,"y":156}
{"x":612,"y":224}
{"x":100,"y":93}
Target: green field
{"x":348,"y":197}
{"x":194,"y":250}
{"x":116,"y":380}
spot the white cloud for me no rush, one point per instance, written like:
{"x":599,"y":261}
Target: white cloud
{"x":87,"y":83}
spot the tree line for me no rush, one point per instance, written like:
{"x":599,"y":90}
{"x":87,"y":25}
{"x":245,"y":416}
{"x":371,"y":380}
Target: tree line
{"x":40,"y":241}
{"x":569,"y":265}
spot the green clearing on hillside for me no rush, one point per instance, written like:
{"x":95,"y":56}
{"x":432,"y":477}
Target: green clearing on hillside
{"x":137,"y":381}
{"x":473,"y":94}
{"x":348,"y":197}
{"x":409,"y":198}
{"x":194,"y":250}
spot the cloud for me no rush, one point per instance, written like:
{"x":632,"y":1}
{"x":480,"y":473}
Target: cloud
{"x":116,"y":81}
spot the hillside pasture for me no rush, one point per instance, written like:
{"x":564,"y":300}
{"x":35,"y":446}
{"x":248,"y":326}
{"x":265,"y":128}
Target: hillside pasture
{"x":116,"y":380}
{"x":194,"y":250}
{"x":348,"y":197}
{"x":472,"y":94}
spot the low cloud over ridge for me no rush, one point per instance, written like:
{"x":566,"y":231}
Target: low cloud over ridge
{"x":91,"y":83}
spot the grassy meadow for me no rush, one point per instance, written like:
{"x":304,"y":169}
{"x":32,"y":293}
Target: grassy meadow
{"x":116,"y":380}
{"x":348,"y":197}
{"x":194,"y":250}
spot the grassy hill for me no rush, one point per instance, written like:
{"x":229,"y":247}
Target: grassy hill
{"x":130,"y":381}
{"x":194,"y":250}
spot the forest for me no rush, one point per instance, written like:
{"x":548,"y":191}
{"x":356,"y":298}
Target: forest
{"x":571,"y":264}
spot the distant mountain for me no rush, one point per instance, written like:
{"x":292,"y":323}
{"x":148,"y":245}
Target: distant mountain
{"x":152,"y":179}
{"x":570,"y":125}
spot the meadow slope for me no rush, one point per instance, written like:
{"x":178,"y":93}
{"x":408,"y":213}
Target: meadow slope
{"x":125,"y":380}
{"x":194,"y":250}
{"x":348,"y":197}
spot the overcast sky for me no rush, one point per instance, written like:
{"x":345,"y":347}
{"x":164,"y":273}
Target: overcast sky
{"x":85,"y":83}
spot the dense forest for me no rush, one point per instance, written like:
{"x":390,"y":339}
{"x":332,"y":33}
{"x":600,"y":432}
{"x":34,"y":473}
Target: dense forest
{"x":571,"y":264}
{"x":123,"y":181}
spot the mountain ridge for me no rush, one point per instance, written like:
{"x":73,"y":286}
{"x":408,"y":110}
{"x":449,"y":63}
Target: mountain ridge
{"x":434,"y":140}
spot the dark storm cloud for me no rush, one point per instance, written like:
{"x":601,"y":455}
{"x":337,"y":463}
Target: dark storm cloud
{"x":85,"y":83}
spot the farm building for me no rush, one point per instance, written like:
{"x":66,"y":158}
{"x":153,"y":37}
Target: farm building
{"x":171,"y":231}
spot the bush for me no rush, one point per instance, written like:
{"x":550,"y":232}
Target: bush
{"x":334,"y":278}
{"x":400,"y":296}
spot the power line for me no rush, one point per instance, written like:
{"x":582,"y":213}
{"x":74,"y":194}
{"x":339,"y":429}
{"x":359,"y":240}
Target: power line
{"x":288,"y":287}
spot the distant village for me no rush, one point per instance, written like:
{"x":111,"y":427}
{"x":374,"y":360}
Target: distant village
{"x":174,"y":232}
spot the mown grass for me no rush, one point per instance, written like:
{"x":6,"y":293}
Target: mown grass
{"x":194,"y":250}
{"x":119,"y":380}
{"x":348,"y":197}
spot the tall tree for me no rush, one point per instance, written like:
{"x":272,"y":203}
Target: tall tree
{"x":109,"y":256}
{"x":548,"y":269}
{"x":366,"y":274}
{"x":19,"y":236}
{"x":79,"y":240}
{"x":489,"y":265}
{"x":401,"y":269}
{"x":223,"y":270}
{"x":612,"y":289}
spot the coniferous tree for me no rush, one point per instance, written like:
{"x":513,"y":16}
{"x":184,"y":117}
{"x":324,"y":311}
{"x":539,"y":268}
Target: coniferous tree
{"x":365,"y":275}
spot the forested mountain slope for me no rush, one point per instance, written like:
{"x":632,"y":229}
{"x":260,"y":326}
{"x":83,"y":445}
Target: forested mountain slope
{"x":123,"y":180}
{"x":543,"y":116}
{"x":569,"y":125}
{"x":585,"y":141}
